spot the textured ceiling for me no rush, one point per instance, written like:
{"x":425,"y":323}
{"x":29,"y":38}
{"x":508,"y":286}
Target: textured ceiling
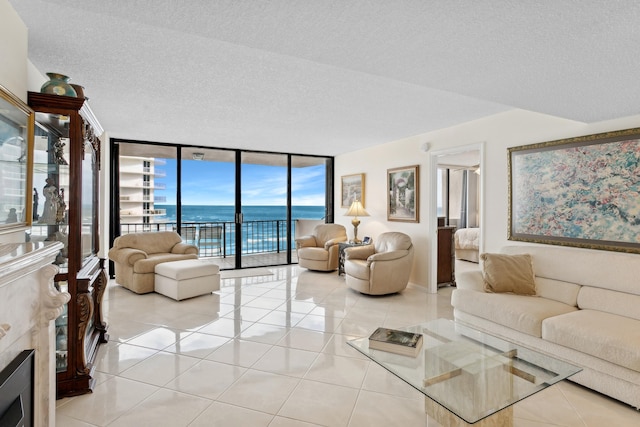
{"x":328,"y":77}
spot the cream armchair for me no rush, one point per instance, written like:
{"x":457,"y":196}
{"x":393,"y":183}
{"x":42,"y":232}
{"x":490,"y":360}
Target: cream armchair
{"x":381,"y":268}
{"x":319,"y":251}
{"x":136,"y":255}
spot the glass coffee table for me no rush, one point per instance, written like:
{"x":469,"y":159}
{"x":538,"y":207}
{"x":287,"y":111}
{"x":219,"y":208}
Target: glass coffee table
{"x":470,"y":377}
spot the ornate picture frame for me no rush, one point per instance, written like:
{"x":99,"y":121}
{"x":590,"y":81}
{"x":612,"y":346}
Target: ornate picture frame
{"x":352,"y":189}
{"x":403,"y":195}
{"x":580,"y":192}
{"x":16,"y":161}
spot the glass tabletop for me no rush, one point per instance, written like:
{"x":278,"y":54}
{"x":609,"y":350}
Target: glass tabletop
{"x":472,"y":374}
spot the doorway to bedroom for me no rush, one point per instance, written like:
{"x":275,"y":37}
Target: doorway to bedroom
{"x":458,"y":195}
{"x":457,"y":182}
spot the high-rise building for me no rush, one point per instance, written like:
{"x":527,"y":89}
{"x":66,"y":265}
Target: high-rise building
{"x":138,"y":183}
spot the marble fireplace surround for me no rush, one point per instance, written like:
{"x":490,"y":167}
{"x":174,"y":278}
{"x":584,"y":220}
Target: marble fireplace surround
{"x":29,"y":304}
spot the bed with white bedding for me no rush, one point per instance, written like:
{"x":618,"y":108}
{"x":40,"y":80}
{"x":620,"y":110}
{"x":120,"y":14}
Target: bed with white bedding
{"x":467,"y":244}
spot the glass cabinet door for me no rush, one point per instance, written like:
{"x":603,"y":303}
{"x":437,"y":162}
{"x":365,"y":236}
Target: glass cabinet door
{"x":16,"y":124}
{"x":51,"y":182}
{"x":62,"y":332}
{"x":89,"y":192}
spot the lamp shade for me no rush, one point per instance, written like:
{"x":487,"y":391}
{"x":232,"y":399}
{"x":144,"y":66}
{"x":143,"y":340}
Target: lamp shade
{"x":356,"y":209}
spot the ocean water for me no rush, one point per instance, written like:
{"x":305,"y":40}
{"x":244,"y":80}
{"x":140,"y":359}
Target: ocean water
{"x":208,"y":213}
{"x":260,"y":231}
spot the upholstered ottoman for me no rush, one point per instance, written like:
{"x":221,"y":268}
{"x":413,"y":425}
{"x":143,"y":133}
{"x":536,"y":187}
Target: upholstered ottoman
{"x":187,"y":278}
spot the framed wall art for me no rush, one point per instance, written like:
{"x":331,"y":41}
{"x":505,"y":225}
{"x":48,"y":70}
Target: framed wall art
{"x":402,"y":194}
{"x":581,"y":191}
{"x":352,"y":189}
{"x":16,"y":142}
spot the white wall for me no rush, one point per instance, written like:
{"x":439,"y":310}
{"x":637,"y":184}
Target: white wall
{"x":374,"y":163}
{"x":497,"y":132}
{"x":13,"y":75}
{"x":13,"y":51}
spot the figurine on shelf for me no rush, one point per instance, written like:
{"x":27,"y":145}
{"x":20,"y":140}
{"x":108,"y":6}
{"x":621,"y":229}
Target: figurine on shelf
{"x":58,"y":152}
{"x":61,"y":338}
{"x":62,"y":208}
{"x":50,"y":192}
{"x":13,"y":216}
{"x":36,"y":198}
{"x":61,"y":237}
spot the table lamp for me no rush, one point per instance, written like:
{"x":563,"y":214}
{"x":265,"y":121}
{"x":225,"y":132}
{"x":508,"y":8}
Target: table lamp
{"x":355,"y":211}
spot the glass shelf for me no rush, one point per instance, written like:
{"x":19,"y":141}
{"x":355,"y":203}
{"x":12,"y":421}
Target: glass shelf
{"x":62,"y":333}
{"x":51,"y":183}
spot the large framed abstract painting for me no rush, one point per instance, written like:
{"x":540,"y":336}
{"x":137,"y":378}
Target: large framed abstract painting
{"x":403,"y":200}
{"x":582,"y":192}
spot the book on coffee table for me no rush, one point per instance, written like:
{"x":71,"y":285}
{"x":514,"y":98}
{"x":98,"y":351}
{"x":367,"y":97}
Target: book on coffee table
{"x":395,"y":341}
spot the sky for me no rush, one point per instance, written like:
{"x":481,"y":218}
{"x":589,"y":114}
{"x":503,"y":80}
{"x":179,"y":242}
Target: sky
{"x":213,"y":183}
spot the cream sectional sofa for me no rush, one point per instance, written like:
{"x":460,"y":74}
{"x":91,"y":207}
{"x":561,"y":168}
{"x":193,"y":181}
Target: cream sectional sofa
{"x":586,"y":311}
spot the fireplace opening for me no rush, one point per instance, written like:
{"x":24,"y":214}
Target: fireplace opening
{"x":16,"y":391}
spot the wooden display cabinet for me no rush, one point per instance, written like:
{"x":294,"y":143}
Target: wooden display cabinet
{"x":65,"y":199}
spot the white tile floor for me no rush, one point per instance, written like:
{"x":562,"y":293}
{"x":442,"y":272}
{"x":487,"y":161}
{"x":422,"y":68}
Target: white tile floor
{"x":271,"y":351}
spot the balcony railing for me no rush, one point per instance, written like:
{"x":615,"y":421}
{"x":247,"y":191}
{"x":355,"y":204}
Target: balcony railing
{"x":267,"y":236}
{"x":159,"y":173}
{"x":144,"y":212}
{"x":156,"y":185}
{"x":154,"y":212}
{"x":144,"y":198}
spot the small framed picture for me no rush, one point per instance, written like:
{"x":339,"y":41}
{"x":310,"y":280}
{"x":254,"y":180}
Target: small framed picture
{"x":352,"y":189}
{"x":366,"y":240}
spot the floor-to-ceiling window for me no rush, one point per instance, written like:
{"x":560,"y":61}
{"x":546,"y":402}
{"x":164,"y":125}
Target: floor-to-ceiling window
{"x":309,"y":186}
{"x":242,"y":207}
{"x":145,"y":183}
{"x":207,"y":201}
{"x":263,"y":212}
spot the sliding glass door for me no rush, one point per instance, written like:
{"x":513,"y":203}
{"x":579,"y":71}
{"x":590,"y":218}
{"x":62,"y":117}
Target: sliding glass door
{"x":308,"y":195}
{"x":263,"y":218}
{"x":242,"y":208}
{"x":207,"y":208}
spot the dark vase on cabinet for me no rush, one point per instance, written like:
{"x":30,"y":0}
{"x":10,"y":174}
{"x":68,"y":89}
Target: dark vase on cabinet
{"x":66,"y":165}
